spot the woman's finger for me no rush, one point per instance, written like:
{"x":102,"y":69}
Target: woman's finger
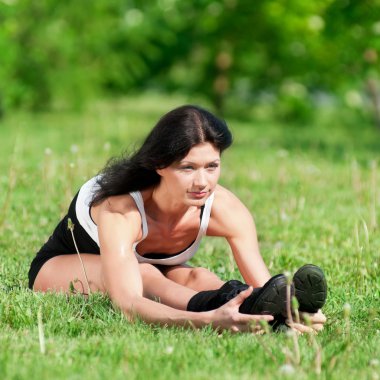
{"x":317,"y":327}
{"x":300,"y":328}
{"x":241,"y":297}
{"x":255,"y":329}
{"x":247,"y":318}
{"x":318,"y":317}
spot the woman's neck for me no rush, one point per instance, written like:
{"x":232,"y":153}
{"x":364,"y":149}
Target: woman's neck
{"x":161,"y":206}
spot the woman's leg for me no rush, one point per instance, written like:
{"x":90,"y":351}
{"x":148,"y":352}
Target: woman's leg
{"x":59,"y":272}
{"x":196,"y":278}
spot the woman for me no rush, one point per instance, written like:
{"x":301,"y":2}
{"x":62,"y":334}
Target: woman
{"x":139,"y":222}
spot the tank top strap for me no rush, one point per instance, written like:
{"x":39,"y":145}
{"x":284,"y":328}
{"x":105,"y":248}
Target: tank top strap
{"x":137,"y":197}
{"x":206,"y":214}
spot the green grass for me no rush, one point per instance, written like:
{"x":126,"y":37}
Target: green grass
{"x":315,"y":196}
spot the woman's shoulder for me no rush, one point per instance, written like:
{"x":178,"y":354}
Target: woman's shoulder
{"x":124,"y":205}
{"x":227,"y":211}
{"x":120,"y":203}
{"x":225,"y":198}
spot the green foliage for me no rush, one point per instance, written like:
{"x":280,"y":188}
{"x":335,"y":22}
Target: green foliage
{"x":289,"y":54}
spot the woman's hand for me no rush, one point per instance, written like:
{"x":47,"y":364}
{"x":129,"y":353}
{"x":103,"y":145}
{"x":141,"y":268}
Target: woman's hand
{"x":227,"y":317}
{"x":309,"y":323}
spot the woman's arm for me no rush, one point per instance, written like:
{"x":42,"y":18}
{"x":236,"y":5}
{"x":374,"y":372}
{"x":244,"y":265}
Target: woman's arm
{"x":231,"y":219}
{"x":123,"y":283}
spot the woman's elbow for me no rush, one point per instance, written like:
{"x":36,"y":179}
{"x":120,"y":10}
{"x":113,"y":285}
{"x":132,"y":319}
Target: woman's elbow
{"x":127,"y":302}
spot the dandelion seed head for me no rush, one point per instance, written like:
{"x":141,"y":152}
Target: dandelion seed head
{"x":346,"y":310}
{"x":287,"y":369}
{"x":74,"y":148}
{"x":287,"y":274}
{"x":288,"y":277}
{"x":48,"y":151}
{"x":70,"y":224}
{"x":169,"y":350}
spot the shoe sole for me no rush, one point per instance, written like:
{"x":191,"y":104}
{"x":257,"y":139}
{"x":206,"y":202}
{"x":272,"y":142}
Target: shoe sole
{"x":310,"y":288}
{"x":272,"y":299}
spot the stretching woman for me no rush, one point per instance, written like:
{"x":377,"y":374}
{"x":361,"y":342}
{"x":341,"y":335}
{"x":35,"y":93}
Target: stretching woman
{"x":142,"y":218}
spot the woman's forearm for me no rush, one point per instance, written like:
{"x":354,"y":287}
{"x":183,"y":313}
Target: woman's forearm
{"x":253,"y":269}
{"x":225,"y":317}
{"x":157,"y":313}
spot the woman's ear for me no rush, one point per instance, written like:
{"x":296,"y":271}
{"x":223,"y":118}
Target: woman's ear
{"x":161,"y":171}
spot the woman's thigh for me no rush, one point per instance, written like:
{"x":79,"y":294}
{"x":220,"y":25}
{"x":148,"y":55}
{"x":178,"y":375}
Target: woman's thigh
{"x":63,"y":272}
{"x":196,"y":278}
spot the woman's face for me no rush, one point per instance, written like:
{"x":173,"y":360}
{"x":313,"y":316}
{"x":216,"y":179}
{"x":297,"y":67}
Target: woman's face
{"x":193,"y":178}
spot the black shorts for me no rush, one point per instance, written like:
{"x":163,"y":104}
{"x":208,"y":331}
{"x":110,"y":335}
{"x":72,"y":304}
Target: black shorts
{"x":61,"y":243}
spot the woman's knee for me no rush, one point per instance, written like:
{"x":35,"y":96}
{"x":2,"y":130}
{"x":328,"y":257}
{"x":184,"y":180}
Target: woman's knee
{"x":198,"y":275}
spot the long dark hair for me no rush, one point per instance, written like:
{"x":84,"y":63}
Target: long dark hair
{"x":169,"y":141}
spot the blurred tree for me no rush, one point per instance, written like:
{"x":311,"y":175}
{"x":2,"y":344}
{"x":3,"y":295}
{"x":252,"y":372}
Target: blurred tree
{"x":352,"y":38}
{"x":237,"y":53}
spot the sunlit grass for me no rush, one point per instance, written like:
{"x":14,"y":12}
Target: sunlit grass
{"x":315,"y":197}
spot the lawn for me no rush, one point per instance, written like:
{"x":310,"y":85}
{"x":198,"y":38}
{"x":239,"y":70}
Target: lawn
{"x":314,"y":193}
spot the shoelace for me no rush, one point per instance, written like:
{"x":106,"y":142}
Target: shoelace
{"x":234,"y":292}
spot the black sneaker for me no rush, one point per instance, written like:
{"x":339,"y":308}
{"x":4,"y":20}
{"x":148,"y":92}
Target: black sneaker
{"x":310,"y":288}
{"x":231,"y":289}
{"x":270,"y":299}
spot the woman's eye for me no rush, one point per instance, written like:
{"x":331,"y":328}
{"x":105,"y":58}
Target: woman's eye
{"x":212,"y":166}
{"x":187,"y":168}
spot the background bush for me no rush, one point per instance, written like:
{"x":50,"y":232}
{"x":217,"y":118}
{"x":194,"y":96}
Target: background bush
{"x":292,"y":56}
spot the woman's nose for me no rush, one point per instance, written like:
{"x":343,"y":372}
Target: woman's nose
{"x":200,"y":179}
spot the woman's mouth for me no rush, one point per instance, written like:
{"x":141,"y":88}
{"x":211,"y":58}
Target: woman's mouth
{"x":198,"y":194}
